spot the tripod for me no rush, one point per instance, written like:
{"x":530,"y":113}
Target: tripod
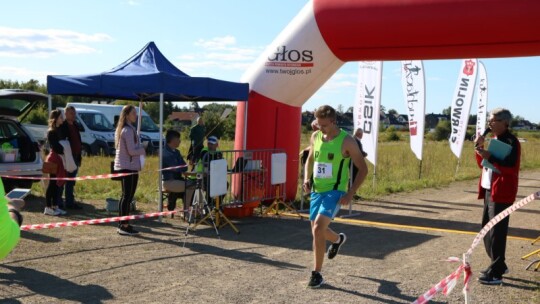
{"x":217,"y":214}
{"x":213,"y":214}
{"x":200,"y":206}
{"x":277,"y":202}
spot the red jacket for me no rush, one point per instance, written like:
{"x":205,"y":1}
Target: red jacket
{"x":61,"y":173}
{"x":504,"y":185}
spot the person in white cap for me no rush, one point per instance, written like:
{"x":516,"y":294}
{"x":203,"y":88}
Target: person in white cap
{"x":208,"y":154}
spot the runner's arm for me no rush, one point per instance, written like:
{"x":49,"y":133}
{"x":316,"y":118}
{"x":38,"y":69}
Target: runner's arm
{"x":308,"y":169}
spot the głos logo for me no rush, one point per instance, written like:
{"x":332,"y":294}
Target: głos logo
{"x":290,"y":58}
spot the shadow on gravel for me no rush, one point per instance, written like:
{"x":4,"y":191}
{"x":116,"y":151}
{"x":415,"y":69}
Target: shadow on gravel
{"x":388,"y":288}
{"x":295,"y":234}
{"x":521,"y":283}
{"x":61,"y":254}
{"x":401,"y":204}
{"x":237,"y":254}
{"x":479,"y":205}
{"x":36,"y":236}
{"x":48,"y":285}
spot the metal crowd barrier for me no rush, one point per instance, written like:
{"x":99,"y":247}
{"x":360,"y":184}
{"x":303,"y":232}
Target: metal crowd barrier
{"x":249,"y":177}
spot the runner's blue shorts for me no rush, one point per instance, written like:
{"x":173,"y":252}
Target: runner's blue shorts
{"x":325,"y":203}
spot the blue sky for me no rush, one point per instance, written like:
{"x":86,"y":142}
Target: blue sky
{"x":220,"y":39}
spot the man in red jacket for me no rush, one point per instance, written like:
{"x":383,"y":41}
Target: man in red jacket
{"x":498,"y":188}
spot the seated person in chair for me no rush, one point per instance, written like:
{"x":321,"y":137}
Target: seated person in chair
{"x":173,"y":181}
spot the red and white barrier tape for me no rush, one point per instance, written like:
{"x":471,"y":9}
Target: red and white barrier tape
{"x":94,"y":221}
{"x":80,"y":178}
{"x":500,"y":217}
{"x":77,"y":178}
{"x":447,"y":284}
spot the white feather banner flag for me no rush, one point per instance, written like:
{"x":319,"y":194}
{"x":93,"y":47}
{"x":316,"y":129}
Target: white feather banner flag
{"x":461,"y":104}
{"x":414,"y":90}
{"x":482,"y":95}
{"x":367,"y":105}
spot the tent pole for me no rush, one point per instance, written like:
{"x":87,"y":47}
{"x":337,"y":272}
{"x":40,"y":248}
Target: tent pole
{"x":50,"y":105}
{"x":160,"y":185}
{"x":245,"y":124}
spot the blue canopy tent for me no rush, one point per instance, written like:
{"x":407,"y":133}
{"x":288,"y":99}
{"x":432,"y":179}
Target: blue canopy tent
{"x":147,"y":76}
{"x":144,"y":77}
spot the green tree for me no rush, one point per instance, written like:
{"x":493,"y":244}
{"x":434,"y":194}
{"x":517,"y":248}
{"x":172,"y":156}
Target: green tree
{"x":472,"y":119}
{"x":516,"y":120}
{"x":391,"y":134}
{"x":152,"y":108}
{"x":213,"y":125}
{"x":447,"y":111}
{"x":38,"y":115}
{"x":442,"y":130}
{"x":230,"y":125}
{"x":217,"y":125}
{"x":195,"y":107}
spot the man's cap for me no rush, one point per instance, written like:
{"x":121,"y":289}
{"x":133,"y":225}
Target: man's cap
{"x":212,"y":140}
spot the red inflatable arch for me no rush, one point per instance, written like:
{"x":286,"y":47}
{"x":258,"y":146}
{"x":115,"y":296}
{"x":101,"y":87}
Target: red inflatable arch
{"x":327,"y":33}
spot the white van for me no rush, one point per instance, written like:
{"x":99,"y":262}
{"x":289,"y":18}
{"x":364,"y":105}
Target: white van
{"x":149,"y":130}
{"x":97,"y":134}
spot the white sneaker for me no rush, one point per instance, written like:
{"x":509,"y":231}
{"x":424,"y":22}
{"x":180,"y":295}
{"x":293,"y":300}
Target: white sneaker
{"x":60,"y":211}
{"x":51,"y":211}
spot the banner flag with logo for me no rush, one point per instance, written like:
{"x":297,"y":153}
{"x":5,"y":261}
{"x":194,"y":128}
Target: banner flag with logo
{"x":482,"y":96}
{"x":461,"y":104}
{"x":367,"y":105}
{"x":414,"y":90}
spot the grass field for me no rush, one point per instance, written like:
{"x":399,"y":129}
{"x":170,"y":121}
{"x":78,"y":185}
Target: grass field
{"x":397,"y":169}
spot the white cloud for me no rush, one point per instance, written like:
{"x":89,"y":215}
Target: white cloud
{"x":22,"y":74}
{"x":216,"y":42}
{"x":21,"y":42}
{"x":133,"y":3}
{"x":339,"y":81}
{"x":187,"y":57}
{"x":218,"y":53}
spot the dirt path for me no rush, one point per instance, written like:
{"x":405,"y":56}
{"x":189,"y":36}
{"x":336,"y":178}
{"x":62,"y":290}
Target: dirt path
{"x":269,"y":261}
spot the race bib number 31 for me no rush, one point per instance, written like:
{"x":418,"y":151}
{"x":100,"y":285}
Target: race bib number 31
{"x":323,"y":170}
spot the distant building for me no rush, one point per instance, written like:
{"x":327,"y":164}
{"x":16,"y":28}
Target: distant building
{"x":398,"y":121}
{"x":433,"y":119}
{"x":523,"y":125}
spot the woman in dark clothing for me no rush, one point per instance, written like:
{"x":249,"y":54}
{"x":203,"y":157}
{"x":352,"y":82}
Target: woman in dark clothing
{"x":53,"y":190}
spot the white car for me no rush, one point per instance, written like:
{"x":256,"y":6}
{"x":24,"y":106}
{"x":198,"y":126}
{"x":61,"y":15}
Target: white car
{"x":24,"y":157}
